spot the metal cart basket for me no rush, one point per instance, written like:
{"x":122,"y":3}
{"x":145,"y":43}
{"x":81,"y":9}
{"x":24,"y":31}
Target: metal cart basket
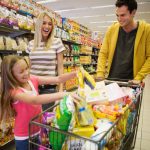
{"x":73,"y":141}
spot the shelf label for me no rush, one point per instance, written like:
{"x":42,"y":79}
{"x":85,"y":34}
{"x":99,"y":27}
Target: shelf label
{"x":14,"y":11}
{"x":19,"y":52}
{"x":16,"y":28}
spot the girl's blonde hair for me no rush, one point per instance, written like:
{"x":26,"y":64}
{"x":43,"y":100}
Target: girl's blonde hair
{"x":8,"y":84}
{"x":38,"y":35}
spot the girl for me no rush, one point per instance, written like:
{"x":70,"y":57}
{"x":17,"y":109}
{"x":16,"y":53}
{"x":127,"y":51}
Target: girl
{"x":46,"y":52}
{"x":20,"y":98}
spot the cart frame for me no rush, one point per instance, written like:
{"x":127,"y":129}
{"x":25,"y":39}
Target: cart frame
{"x":128,"y":142}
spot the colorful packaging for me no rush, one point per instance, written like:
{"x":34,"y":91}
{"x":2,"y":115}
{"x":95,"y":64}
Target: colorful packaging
{"x":64,"y":121}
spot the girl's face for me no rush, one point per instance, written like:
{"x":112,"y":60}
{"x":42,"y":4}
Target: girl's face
{"x":46,"y":27}
{"x":20,"y":71}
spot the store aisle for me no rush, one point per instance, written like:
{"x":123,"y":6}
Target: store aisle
{"x":143,"y":136}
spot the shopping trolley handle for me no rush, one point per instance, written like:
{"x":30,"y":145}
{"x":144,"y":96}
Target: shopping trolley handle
{"x":124,"y":82}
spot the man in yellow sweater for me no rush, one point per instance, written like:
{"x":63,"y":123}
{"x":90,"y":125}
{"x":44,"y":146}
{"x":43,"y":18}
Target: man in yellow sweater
{"x":125,"y":52}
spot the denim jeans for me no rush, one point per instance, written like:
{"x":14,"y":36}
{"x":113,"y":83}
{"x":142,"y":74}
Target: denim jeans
{"x":22,"y":144}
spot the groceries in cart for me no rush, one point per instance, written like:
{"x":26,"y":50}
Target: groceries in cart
{"x":99,"y":116}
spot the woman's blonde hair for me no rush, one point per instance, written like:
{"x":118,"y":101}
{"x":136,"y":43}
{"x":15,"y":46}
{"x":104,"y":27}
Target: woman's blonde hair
{"x":8,"y":84}
{"x":38,"y":35}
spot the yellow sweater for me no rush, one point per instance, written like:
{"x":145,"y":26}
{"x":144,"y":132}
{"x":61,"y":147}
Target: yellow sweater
{"x":141,"y":62}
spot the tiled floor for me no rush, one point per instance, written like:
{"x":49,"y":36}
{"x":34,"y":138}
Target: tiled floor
{"x":143,"y":135}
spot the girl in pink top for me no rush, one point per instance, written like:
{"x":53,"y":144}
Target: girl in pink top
{"x":20,"y":98}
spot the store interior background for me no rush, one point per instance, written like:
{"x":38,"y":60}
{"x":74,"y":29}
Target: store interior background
{"x":98,"y":15}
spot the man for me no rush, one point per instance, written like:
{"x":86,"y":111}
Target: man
{"x":126,"y":46}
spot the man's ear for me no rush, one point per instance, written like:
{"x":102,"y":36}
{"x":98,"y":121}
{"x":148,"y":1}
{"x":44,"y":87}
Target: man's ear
{"x":133,"y":13}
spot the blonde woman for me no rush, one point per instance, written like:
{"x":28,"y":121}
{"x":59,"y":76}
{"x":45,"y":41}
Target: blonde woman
{"x":46,"y":52}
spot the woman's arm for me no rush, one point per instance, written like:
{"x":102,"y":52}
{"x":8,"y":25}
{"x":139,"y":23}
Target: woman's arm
{"x":56,"y":80}
{"x":60,"y":68}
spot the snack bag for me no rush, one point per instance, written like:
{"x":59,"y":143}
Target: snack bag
{"x":64,"y":121}
{"x":85,"y":78}
{"x":84,"y":114}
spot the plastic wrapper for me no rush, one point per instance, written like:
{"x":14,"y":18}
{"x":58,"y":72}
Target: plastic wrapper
{"x":85,"y":78}
{"x":14,"y":45}
{"x":22,"y":45}
{"x":84,"y":114}
{"x":4,"y":13}
{"x":64,"y":121}
{"x":8,"y":43}
{"x":2,"y":46}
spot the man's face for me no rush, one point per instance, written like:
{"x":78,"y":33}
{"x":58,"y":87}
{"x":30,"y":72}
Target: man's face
{"x":124,"y":16}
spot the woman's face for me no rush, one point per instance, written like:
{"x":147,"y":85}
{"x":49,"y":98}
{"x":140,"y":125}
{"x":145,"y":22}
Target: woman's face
{"x":20,"y":71}
{"x":46,"y":27}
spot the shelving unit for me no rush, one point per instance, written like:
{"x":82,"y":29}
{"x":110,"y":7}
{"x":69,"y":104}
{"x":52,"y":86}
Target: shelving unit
{"x":12,"y":32}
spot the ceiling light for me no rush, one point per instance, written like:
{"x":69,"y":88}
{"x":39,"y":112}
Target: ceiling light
{"x":141,"y":3}
{"x":105,"y":6}
{"x":92,"y":16}
{"x":103,"y":22}
{"x":46,"y":1}
{"x":102,"y":26}
{"x":108,"y":15}
{"x":144,"y":12}
{"x":73,"y":9}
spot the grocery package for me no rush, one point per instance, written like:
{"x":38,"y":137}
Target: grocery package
{"x":6,"y":131}
{"x":115,"y":93}
{"x":8,"y":43}
{"x":64,"y":121}
{"x":103,"y":126}
{"x":84,"y":114}
{"x":2,"y":46}
{"x":47,"y":119}
{"x":85,"y":78}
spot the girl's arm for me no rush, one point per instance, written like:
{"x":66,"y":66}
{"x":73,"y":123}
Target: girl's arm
{"x":56,"y":80}
{"x":39,"y":99}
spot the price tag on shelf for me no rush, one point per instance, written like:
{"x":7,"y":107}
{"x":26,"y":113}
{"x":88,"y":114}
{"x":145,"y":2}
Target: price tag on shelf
{"x":16,"y":28}
{"x":19,"y":52}
{"x":33,"y":32}
{"x":14,"y":11}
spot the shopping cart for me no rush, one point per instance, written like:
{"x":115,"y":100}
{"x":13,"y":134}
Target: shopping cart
{"x":73,"y":141}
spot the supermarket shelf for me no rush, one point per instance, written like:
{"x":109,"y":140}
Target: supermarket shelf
{"x":72,"y":55}
{"x":13,"y":31}
{"x":71,"y":64}
{"x":7,"y":52}
{"x":5,"y":145}
{"x":71,"y":42}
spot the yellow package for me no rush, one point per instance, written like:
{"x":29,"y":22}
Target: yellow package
{"x":80,"y":79}
{"x":99,"y":115}
{"x":122,"y":124}
{"x":82,"y":131}
{"x":89,"y":80}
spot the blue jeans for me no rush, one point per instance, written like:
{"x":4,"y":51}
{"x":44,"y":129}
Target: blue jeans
{"x":22,"y":144}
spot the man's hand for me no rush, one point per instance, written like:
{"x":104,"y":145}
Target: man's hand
{"x":97,"y":79}
{"x":134,"y":81}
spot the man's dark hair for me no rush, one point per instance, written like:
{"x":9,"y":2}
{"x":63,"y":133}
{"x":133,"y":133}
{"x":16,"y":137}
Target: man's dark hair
{"x":131,"y":4}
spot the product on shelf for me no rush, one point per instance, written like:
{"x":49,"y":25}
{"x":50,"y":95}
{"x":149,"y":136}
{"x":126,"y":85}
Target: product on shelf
{"x":6,"y":131}
{"x":2,"y":45}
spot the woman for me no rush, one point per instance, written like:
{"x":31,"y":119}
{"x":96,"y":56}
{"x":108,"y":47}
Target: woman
{"x":46,"y":52}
